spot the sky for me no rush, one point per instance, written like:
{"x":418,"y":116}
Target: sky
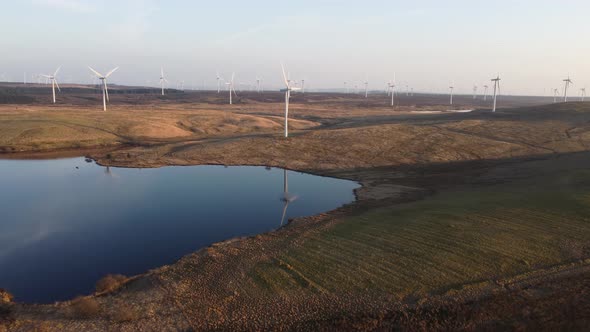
{"x":425,"y":44}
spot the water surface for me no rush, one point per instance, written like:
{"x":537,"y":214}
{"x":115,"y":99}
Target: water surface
{"x":66,"y":223}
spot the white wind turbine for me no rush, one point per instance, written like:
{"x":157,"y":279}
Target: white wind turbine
{"x":485,"y":92}
{"x":105,"y":89}
{"x":474,"y":92}
{"x":567,"y":83}
{"x":218,"y":82}
{"x":451,"y":88}
{"x":287,"y":198}
{"x":583,"y":93}
{"x":163,"y":79}
{"x":391,"y":91}
{"x":230,"y":87}
{"x":258,"y":80}
{"x":496,"y":89}
{"x":346,"y":87}
{"x":303,"y":86}
{"x":367,"y":87}
{"x":555,"y":94}
{"x":53,"y":79}
{"x":287,"y":90}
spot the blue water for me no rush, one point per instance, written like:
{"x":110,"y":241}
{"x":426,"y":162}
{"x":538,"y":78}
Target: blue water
{"x":66,"y":223}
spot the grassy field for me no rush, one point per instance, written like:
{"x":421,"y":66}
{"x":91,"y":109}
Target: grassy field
{"x":43,"y":128}
{"x":453,"y":238}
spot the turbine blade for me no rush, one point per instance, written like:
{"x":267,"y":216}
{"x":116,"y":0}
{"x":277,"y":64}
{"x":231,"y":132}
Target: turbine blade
{"x":284,"y":212}
{"x":106,"y":89}
{"x":285,"y":75}
{"x":56,"y":71}
{"x":112,"y":71}
{"x":57,"y":85}
{"x":95,"y":72}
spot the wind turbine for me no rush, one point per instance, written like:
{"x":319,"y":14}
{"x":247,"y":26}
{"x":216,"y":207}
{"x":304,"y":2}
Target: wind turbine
{"x":567,"y":81}
{"x":555,"y":94}
{"x":230,"y":87}
{"x":258,"y":84}
{"x":391,"y":86}
{"x":302,"y":86}
{"x":451,"y":88}
{"x":583,"y":93}
{"x":366,"y":87}
{"x":163,"y":80}
{"x":474,"y":92}
{"x":485,"y":92}
{"x":496,"y":88}
{"x":286,"y":198}
{"x":346,"y":87}
{"x":218,"y":82}
{"x":53,"y":80}
{"x":105,"y":89}
{"x":287,"y":90}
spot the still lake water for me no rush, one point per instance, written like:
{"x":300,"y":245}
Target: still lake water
{"x":63,"y":228}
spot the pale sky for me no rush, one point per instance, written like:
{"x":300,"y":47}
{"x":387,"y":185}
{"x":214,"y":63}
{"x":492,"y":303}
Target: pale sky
{"x":428,"y":44}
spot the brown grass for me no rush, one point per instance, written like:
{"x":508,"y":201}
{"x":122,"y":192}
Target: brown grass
{"x":5,"y":296}
{"x":110,"y":283}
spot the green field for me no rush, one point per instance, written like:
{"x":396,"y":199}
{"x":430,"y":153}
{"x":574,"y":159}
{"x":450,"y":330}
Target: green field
{"x":448,"y":240}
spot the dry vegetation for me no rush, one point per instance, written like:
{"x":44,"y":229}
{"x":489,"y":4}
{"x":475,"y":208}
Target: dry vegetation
{"x":110,"y":283}
{"x":500,"y":240}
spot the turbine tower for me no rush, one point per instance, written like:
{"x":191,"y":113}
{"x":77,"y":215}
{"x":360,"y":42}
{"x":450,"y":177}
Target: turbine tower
{"x":258,"y":84}
{"x":105,"y":89}
{"x":567,"y":82}
{"x":286,"y":198}
{"x":218,"y":86}
{"x":302,"y":86}
{"x":451,"y":88}
{"x":496,"y":89}
{"x":485,"y":92}
{"x":230,"y":87}
{"x":583,"y":93}
{"x":287,"y":90}
{"x":555,"y":94}
{"x":391,"y":91}
{"x":163,"y":79}
{"x":474,"y":92}
{"x":53,"y":79}
{"x":366,"y":87}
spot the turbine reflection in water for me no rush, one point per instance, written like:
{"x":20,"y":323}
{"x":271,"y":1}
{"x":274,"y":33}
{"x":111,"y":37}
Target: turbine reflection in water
{"x":287,"y":198}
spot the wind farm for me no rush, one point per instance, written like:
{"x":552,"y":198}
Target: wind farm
{"x":326,"y":169}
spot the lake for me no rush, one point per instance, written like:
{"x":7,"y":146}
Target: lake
{"x":66,"y":223}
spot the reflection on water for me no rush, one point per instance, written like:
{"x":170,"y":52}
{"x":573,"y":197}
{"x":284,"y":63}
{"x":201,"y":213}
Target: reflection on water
{"x":287,"y":198}
{"x":67,"y":223}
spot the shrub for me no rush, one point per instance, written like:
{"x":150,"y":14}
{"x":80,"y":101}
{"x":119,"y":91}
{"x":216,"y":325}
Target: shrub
{"x":5,"y":297}
{"x":84,"y":307}
{"x":110,"y":283}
